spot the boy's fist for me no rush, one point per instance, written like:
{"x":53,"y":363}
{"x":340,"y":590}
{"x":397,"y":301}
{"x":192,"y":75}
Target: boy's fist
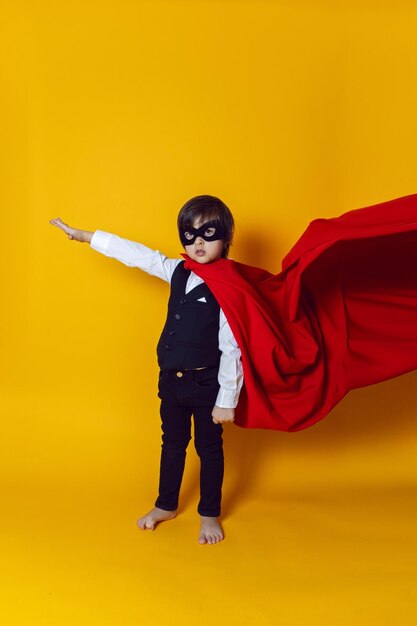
{"x":221,"y":415}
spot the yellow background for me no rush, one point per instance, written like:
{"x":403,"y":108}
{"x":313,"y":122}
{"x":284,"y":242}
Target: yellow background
{"x":113,"y":114}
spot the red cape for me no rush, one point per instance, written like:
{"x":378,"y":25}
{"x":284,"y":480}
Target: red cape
{"x":341,"y":314}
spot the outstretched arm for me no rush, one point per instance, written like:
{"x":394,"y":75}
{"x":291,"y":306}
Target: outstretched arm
{"x":130,"y":253}
{"x":73,"y":233}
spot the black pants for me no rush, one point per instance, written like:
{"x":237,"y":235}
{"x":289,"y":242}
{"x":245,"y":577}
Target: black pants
{"x":184,"y":393}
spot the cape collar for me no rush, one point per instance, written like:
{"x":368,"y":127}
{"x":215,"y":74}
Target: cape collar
{"x":203,"y":269}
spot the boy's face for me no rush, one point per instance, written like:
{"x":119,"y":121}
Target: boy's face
{"x":204,"y":251}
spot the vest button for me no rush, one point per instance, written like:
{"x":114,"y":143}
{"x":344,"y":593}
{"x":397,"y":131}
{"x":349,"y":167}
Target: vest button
{"x":172,"y":332}
{"x":177,"y":316}
{"x":168,"y":347}
{"x":180,"y":374}
{"x":182,"y":301}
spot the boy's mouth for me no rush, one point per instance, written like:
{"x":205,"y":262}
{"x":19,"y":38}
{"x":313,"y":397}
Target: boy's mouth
{"x":200,"y":253}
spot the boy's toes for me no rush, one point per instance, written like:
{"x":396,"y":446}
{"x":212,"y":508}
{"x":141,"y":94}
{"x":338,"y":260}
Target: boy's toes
{"x":145,"y":524}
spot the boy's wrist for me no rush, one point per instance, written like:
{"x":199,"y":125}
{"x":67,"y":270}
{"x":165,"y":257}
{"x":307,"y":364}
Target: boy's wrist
{"x":85,"y":236}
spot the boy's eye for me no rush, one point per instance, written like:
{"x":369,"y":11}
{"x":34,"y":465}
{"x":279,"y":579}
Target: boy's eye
{"x":188,"y":235}
{"x":210,"y":231}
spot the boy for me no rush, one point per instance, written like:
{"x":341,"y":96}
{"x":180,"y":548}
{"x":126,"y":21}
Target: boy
{"x":200,"y":361}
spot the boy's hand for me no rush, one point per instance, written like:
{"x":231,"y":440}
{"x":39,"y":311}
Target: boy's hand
{"x":73,"y":233}
{"x":221,"y":415}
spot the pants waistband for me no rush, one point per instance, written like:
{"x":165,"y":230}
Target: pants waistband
{"x":191,"y":373}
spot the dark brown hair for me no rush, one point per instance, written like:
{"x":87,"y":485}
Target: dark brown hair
{"x":207,"y":208}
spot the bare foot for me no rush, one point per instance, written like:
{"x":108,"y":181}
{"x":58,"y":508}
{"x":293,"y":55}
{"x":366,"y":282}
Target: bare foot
{"x":149,"y":521}
{"x":211,"y":531}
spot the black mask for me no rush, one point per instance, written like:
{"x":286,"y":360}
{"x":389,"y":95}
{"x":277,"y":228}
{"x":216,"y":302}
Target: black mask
{"x":210,"y":231}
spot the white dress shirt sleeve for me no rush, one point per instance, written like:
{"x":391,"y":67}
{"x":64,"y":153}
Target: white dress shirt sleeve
{"x":230,"y":374}
{"x":134,"y":254}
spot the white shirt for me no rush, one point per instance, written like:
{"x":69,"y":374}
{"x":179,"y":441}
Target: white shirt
{"x":134,"y":254}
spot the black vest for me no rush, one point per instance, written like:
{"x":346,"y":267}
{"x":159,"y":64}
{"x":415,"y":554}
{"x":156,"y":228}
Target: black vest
{"x":190,"y":337}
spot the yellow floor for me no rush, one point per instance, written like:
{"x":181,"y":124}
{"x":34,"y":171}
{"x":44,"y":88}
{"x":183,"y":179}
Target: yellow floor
{"x":324,"y":556}
{"x":321,"y":528}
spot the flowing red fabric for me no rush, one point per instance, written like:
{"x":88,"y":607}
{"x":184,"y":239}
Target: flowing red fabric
{"x":341,"y":314}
